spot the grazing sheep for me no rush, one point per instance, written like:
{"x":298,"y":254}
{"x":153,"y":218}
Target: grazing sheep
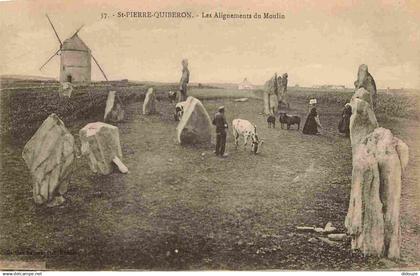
{"x":271,"y":120}
{"x":289,"y":120}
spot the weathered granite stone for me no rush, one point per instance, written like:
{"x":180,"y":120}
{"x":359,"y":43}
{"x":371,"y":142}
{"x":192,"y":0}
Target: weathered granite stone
{"x":373,"y":217}
{"x":270,"y":96}
{"x":65,"y":89}
{"x":195,"y":126}
{"x":113,"y":110}
{"x":366,"y":81}
{"x":49,"y":155}
{"x":101,"y":145}
{"x":149,"y":104}
{"x":363,"y":120}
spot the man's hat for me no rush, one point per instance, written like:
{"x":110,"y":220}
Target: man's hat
{"x":312,"y":101}
{"x":221,"y":108}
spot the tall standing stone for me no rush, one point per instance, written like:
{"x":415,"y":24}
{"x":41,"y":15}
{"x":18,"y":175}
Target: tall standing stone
{"x":379,"y":158}
{"x":366,"y":81}
{"x":282,"y":90}
{"x":266,"y":102}
{"x":373,"y":217}
{"x":195,"y":126}
{"x":274,"y":104}
{"x":183,"y":83}
{"x":270,"y":97}
{"x":113,"y":110}
{"x":65,"y":89}
{"x":363,"y":120}
{"x":101,"y":145}
{"x":49,"y":155}
{"x":149,"y":104}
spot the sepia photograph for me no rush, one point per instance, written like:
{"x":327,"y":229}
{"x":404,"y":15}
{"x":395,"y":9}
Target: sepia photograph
{"x":273,"y":135}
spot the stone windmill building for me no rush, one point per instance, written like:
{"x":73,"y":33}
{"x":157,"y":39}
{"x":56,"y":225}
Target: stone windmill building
{"x":75,"y":60}
{"x":75,"y":65}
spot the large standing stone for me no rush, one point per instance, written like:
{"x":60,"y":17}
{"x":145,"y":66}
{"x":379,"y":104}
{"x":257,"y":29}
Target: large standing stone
{"x":379,"y":158}
{"x":101,"y":145}
{"x":65,"y":89}
{"x":183,"y":83}
{"x":366,"y":81}
{"x":274,"y":104}
{"x":282,"y":89}
{"x":363,"y":120}
{"x":149,"y":105}
{"x":195,"y":126}
{"x":270,"y":96}
{"x":266,"y":101}
{"x":49,"y":155}
{"x":113,"y":109}
{"x":373,"y":218}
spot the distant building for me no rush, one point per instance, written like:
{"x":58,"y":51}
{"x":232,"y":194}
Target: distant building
{"x":75,"y":60}
{"x":245,"y":85}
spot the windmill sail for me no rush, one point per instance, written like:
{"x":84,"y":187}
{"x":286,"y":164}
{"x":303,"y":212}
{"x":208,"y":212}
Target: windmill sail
{"x":49,"y":59}
{"x":56,"y":34}
{"x":102,"y":71}
{"x":106,"y":78}
{"x":77,"y":31}
{"x":59,"y":41}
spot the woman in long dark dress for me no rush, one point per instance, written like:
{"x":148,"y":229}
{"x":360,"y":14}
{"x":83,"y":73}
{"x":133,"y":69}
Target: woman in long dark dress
{"x":312,"y":122}
{"x":344,"y":125}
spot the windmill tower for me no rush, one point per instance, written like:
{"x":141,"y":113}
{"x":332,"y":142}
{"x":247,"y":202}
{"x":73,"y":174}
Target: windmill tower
{"x":75,"y":62}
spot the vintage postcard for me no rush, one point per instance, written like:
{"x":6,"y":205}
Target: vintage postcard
{"x":210,"y":135}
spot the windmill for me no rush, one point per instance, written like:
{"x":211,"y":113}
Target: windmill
{"x":75,"y":60}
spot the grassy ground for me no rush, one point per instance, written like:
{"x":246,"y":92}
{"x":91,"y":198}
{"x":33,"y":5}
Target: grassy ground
{"x":184,"y":208}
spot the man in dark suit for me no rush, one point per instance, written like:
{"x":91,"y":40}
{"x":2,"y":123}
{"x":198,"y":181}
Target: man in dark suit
{"x":221,"y":125}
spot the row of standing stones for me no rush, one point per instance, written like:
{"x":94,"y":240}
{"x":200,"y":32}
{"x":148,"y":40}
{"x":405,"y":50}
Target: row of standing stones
{"x":379,"y":160}
{"x":51,"y":151}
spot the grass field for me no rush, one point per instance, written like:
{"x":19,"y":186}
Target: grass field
{"x":184,"y":208}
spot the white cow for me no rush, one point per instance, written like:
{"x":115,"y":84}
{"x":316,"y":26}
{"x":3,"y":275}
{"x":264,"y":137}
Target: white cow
{"x":179,"y":110}
{"x":248,"y":131}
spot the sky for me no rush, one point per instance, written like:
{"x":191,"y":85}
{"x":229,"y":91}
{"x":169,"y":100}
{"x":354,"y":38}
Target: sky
{"x":318,"y":42}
